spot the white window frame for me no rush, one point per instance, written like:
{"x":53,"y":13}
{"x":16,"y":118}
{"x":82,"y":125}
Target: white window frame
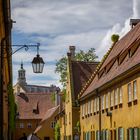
{"x":112,"y":99}
{"x":95,"y":107}
{"x":89,"y":107}
{"x":120,"y":133}
{"x":29,"y":125}
{"x":103,"y":102}
{"x":97,"y":103}
{"x":21,"y":125}
{"x":135,"y":90}
{"x":120,"y":95}
{"x":116,"y":96}
{"x":129,"y":92}
{"x":106,"y":100}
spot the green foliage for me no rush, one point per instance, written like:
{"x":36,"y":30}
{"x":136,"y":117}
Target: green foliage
{"x":12,"y":107}
{"x":53,"y":97}
{"x":78,"y":126}
{"x":61,"y":65}
{"x":61,"y":68}
{"x":115,"y":38}
{"x":64,"y":95}
{"x":57,"y":131}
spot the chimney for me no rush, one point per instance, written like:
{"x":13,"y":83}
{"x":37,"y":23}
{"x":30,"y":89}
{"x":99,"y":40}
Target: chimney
{"x":72,"y":51}
{"x":134,"y":22}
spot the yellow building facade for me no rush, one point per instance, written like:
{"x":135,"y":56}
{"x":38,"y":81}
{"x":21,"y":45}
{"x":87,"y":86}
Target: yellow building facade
{"x":5,"y":66}
{"x":109,"y":103}
{"x":78,"y":73}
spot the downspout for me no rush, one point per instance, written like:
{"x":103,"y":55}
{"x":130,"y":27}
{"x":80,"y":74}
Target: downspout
{"x":100,"y":119}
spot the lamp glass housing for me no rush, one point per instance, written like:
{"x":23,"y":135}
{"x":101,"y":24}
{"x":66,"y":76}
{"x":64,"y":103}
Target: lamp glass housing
{"x":38,"y":64}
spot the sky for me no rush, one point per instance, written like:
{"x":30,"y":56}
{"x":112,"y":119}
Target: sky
{"x":58,"y":24}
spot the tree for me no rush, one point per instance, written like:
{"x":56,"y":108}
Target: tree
{"x":61,"y":65}
{"x":115,"y":38}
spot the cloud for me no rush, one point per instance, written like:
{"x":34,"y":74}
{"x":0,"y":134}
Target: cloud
{"x":121,"y":30}
{"x":59,"y":24}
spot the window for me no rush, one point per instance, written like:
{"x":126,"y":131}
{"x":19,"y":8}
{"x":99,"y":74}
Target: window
{"x":111,"y":99}
{"x":106,"y":98}
{"x":136,"y":133}
{"x":82,"y":109}
{"x":89,"y":107}
{"x":21,"y":125}
{"x":120,"y":95}
{"x":95,"y":108}
{"x":53,"y":124}
{"x":86,"y":108}
{"x":116,"y":96}
{"x":103,"y":102}
{"x":29,"y":125}
{"x":130,"y":133}
{"x":120,"y":134}
{"x":135,"y":90}
{"x":97,"y":135}
{"x":129,"y":93}
{"x":97,"y":104}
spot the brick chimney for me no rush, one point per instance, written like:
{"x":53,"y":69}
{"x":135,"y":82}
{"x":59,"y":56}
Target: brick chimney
{"x":134,"y":22}
{"x":72,"y":51}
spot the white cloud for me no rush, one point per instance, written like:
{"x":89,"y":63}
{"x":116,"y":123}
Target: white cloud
{"x":59,"y":24}
{"x":121,"y":30}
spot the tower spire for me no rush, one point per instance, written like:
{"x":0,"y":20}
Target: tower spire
{"x":21,"y":75}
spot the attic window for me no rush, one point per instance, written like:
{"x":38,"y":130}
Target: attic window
{"x":110,"y":64}
{"x":36,"y":109}
{"x":134,"y":49}
{"x":101,"y":72}
{"x":122,"y":57}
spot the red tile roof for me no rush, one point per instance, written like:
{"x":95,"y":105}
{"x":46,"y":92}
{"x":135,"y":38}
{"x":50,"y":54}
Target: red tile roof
{"x":81,"y":72}
{"x":39,"y":102}
{"x":47,"y":115}
{"x":129,"y":40}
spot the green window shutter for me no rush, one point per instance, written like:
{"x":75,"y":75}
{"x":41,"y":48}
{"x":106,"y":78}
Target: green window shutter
{"x":138,"y":133}
{"x":96,"y":135}
{"x":116,"y":133}
{"x":131,"y":134}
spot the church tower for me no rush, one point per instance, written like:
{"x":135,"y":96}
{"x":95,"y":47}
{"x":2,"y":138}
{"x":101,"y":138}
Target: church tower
{"x":21,"y":75}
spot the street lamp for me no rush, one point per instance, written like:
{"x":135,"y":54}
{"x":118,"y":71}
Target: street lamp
{"x":37,"y":62}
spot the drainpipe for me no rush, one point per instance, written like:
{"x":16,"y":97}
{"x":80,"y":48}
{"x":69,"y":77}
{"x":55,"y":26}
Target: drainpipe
{"x":100,"y":120}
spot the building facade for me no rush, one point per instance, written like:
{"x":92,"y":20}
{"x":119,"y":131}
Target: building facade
{"x":5,"y":67}
{"x":33,"y":101}
{"x":78,"y":74}
{"x":109,"y":103}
